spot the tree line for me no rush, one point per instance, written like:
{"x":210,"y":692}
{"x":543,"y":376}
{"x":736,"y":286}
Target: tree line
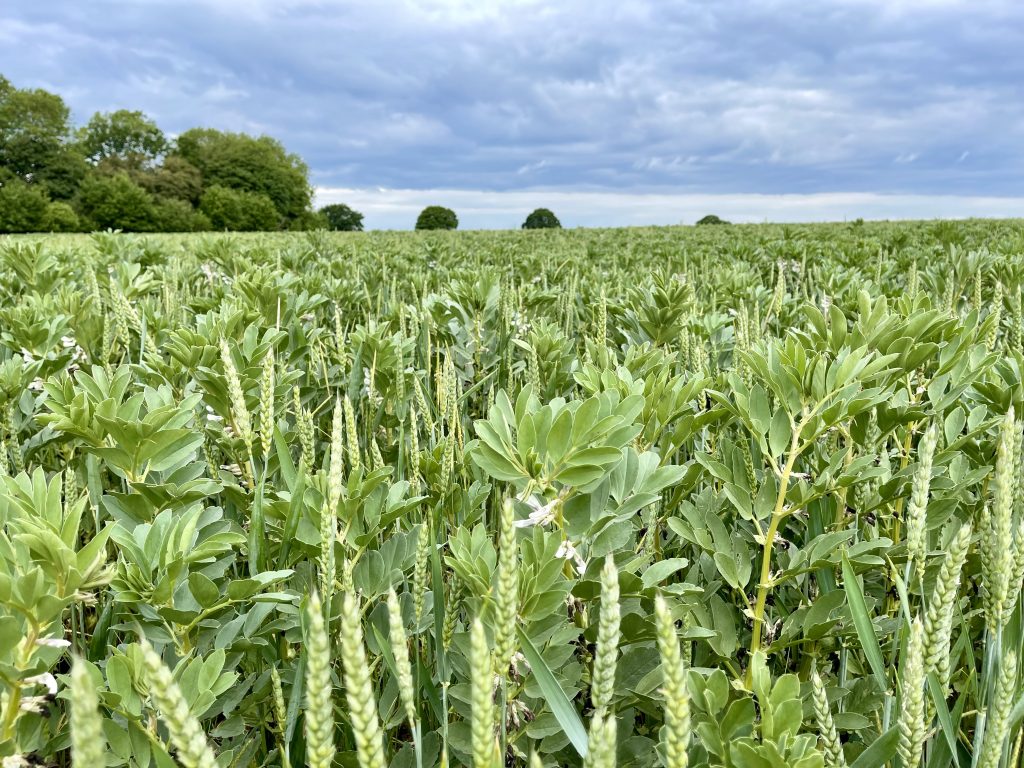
{"x":121,"y":171}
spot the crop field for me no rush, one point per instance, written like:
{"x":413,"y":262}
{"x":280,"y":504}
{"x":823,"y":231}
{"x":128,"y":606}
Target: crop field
{"x":737,"y":496}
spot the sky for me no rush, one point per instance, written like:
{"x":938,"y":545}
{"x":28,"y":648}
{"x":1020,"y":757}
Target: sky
{"x":610,"y":113}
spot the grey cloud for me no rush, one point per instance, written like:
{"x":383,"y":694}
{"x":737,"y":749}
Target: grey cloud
{"x":909,"y":97}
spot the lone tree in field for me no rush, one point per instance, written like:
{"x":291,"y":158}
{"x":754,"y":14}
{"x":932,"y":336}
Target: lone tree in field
{"x":710,"y":219}
{"x":341,"y":218}
{"x":437,"y":217}
{"x":542,"y":218}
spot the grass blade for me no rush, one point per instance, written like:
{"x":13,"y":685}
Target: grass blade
{"x":554,"y":696}
{"x":862,"y":622}
{"x":942,"y":711}
{"x":880,"y":752}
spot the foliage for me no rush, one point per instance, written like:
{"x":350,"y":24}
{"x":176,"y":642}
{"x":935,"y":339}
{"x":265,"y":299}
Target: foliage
{"x":176,"y":179}
{"x":381,"y":499}
{"x":22,"y":207}
{"x":123,"y":139}
{"x":61,"y":217}
{"x":341,"y":218}
{"x":308,"y":221}
{"x":34,"y":139}
{"x":174,"y":215}
{"x":437,"y":217}
{"x":256,"y":165}
{"x":39,"y":147}
{"x":710,"y":219}
{"x":238,"y":211}
{"x":116,"y":201}
{"x":542,"y":218}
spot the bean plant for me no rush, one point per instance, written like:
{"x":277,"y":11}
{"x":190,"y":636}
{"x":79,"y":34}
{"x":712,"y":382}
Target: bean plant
{"x":742,"y":498}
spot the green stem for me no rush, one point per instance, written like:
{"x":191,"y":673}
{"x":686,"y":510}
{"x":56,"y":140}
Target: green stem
{"x":778,"y":515}
{"x":13,"y":706}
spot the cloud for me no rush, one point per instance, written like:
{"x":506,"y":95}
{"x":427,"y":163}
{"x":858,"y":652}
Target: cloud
{"x":854,"y":96}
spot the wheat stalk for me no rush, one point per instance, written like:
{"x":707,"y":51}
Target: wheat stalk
{"x":184,"y":729}
{"x":485,"y":744}
{"x":319,"y":719}
{"x":359,"y":687}
{"x":88,"y":746}
{"x":677,"y":699}
{"x":603,"y":685}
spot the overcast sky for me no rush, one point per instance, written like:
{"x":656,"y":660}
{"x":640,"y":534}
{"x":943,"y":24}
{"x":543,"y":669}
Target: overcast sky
{"x":627,"y":112}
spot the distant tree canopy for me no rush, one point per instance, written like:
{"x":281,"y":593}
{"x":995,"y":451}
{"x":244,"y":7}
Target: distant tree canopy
{"x":116,"y":202}
{"x":710,"y":219}
{"x":120,"y":171}
{"x":260,"y":165}
{"x":542,"y":218}
{"x":341,"y":218}
{"x":122,"y":140}
{"x":239,"y":210}
{"x":22,"y":207}
{"x":175,"y":178}
{"x":35,"y":141}
{"x":437,"y":217}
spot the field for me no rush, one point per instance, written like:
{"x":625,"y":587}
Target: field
{"x":745,"y":496}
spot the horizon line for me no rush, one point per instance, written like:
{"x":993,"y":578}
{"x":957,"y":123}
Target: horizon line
{"x":396,"y":208}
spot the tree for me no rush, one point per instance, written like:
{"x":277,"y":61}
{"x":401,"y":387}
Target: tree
{"x":123,"y":140}
{"x":61,"y":217}
{"x":542,"y":218}
{"x":172,"y":215}
{"x":34,"y":128}
{"x":175,"y":178}
{"x":437,"y":217}
{"x":238,"y":210}
{"x":260,"y":165}
{"x":116,"y":202}
{"x":22,"y":207}
{"x":341,"y":218}
{"x":710,"y":219}
{"x":309,"y":221}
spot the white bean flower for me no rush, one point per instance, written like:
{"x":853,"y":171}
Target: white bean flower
{"x":542,"y":514}
{"x":53,"y":642}
{"x":567,"y":551}
{"x":46,"y":679}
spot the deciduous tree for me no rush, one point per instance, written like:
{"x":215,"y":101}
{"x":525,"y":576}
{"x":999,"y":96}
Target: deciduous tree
{"x":437,"y":217}
{"x":342,"y":218}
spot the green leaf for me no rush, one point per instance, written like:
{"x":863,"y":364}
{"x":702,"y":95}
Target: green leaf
{"x":10,"y":635}
{"x":760,"y":410}
{"x":203,"y":589}
{"x":257,"y":529}
{"x":780,"y":432}
{"x":661,"y":570}
{"x":240,"y":589}
{"x":942,"y":711}
{"x":554,"y":696}
{"x":880,"y":752}
{"x":295,"y":700}
{"x":862,"y":622}
{"x":559,"y":436}
{"x":578,"y":476}
{"x":284,"y":459}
